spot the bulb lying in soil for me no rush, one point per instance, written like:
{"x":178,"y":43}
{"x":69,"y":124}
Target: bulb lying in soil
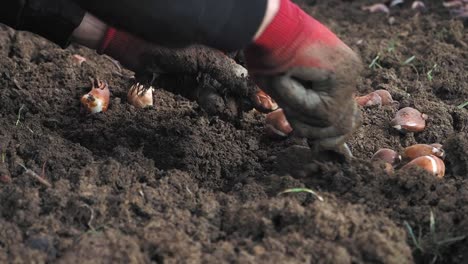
{"x":419,"y":150}
{"x":372,"y":99}
{"x":376,"y":98}
{"x":78,"y":59}
{"x":264,"y":103}
{"x":277,"y":126}
{"x":97,"y":100}
{"x":387,"y":155}
{"x":376,"y":8}
{"x":409,"y":120}
{"x":430,"y":163}
{"x":418,"y":6}
{"x":140,"y":97}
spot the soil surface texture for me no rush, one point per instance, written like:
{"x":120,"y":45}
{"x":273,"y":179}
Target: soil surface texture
{"x":172,"y":184}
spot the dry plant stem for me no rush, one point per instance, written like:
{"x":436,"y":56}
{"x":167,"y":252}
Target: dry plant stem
{"x":40,"y":179}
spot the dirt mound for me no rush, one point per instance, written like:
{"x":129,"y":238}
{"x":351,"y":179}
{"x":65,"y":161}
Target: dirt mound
{"x":172,"y":183}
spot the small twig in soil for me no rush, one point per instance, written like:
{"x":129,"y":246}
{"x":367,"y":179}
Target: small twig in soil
{"x":91,"y":217}
{"x":302,"y":190}
{"x":18,"y":120}
{"x":39,"y":178}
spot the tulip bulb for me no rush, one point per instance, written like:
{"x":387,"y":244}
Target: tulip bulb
{"x":430,"y":163}
{"x":264,"y":103}
{"x":420,"y":150}
{"x":376,"y":98}
{"x":277,"y":125}
{"x":376,"y":8}
{"x":409,"y":120}
{"x":371,"y":99}
{"x":387,"y":155}
{"x":385,"y":96}
{"x":97,"y":100}
{"x":139,"y":96}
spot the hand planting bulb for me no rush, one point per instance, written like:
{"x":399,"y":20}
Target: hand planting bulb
{"x":97,"y":100}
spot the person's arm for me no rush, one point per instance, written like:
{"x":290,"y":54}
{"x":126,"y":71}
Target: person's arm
{"x":222,"y":24}
{"x":52,"y":19}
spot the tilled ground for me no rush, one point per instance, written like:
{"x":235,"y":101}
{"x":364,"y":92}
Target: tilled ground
{"x":172,"y":184}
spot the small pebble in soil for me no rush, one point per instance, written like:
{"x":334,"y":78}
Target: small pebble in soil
{"x":430,"y":163}
{"x":97,"y":100}
{"x":409,"y":119}
{"x":419,"y":150}
{"x":139,"y":96}
{"x":277,"y":126}
{"x":387,"y":155}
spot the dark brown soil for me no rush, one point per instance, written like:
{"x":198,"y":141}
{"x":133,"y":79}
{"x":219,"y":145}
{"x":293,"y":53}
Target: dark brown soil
{"x":172,"y":184}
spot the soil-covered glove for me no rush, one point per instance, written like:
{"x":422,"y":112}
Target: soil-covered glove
{"x":216,"y":81}
{"x":310,"y":73}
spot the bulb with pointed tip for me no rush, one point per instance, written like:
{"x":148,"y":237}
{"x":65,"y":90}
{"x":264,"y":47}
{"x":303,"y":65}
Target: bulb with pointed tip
{"x":264,"y":103}
{"x":277,"y":126}
{"x":140,"y":97}
{"x":97,"y":100}
{"x":385,"y":96}
{"x":418,"y":150}
{"x":371,"y":99}
{"x":430,"y":163}
{"x":387,"y":155}
{"x":409,"y":119}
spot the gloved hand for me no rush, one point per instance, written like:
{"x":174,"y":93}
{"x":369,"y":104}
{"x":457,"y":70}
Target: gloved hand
{"x":310,"y":73}
{"x":216,"y":81}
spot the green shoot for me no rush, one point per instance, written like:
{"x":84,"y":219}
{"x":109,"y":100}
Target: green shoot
{"x":409,"y":60}
{"x":416,"y":241}
{"x":375,"y":62}
{"x":465,"y":104}
{"x":391,"y":46}
{"x":18,"y":120}
{"x":302,"y":190}
{"x":429,"y":73}
{"x":430,"y":243}
{"x":3,"y":154}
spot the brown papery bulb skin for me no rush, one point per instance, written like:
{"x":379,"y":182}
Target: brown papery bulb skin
{"x":409,"y":119}
{"x":387,"y":155}
{"x":419,"y":150}
{"x":430,"y":163}
{"x":97,"y":100}
{"x":385,"y":96}
{"x":264,"y":103}
{"x":371,"y":99}
{"x":277,"y":126}
{"x":139,"y":96}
